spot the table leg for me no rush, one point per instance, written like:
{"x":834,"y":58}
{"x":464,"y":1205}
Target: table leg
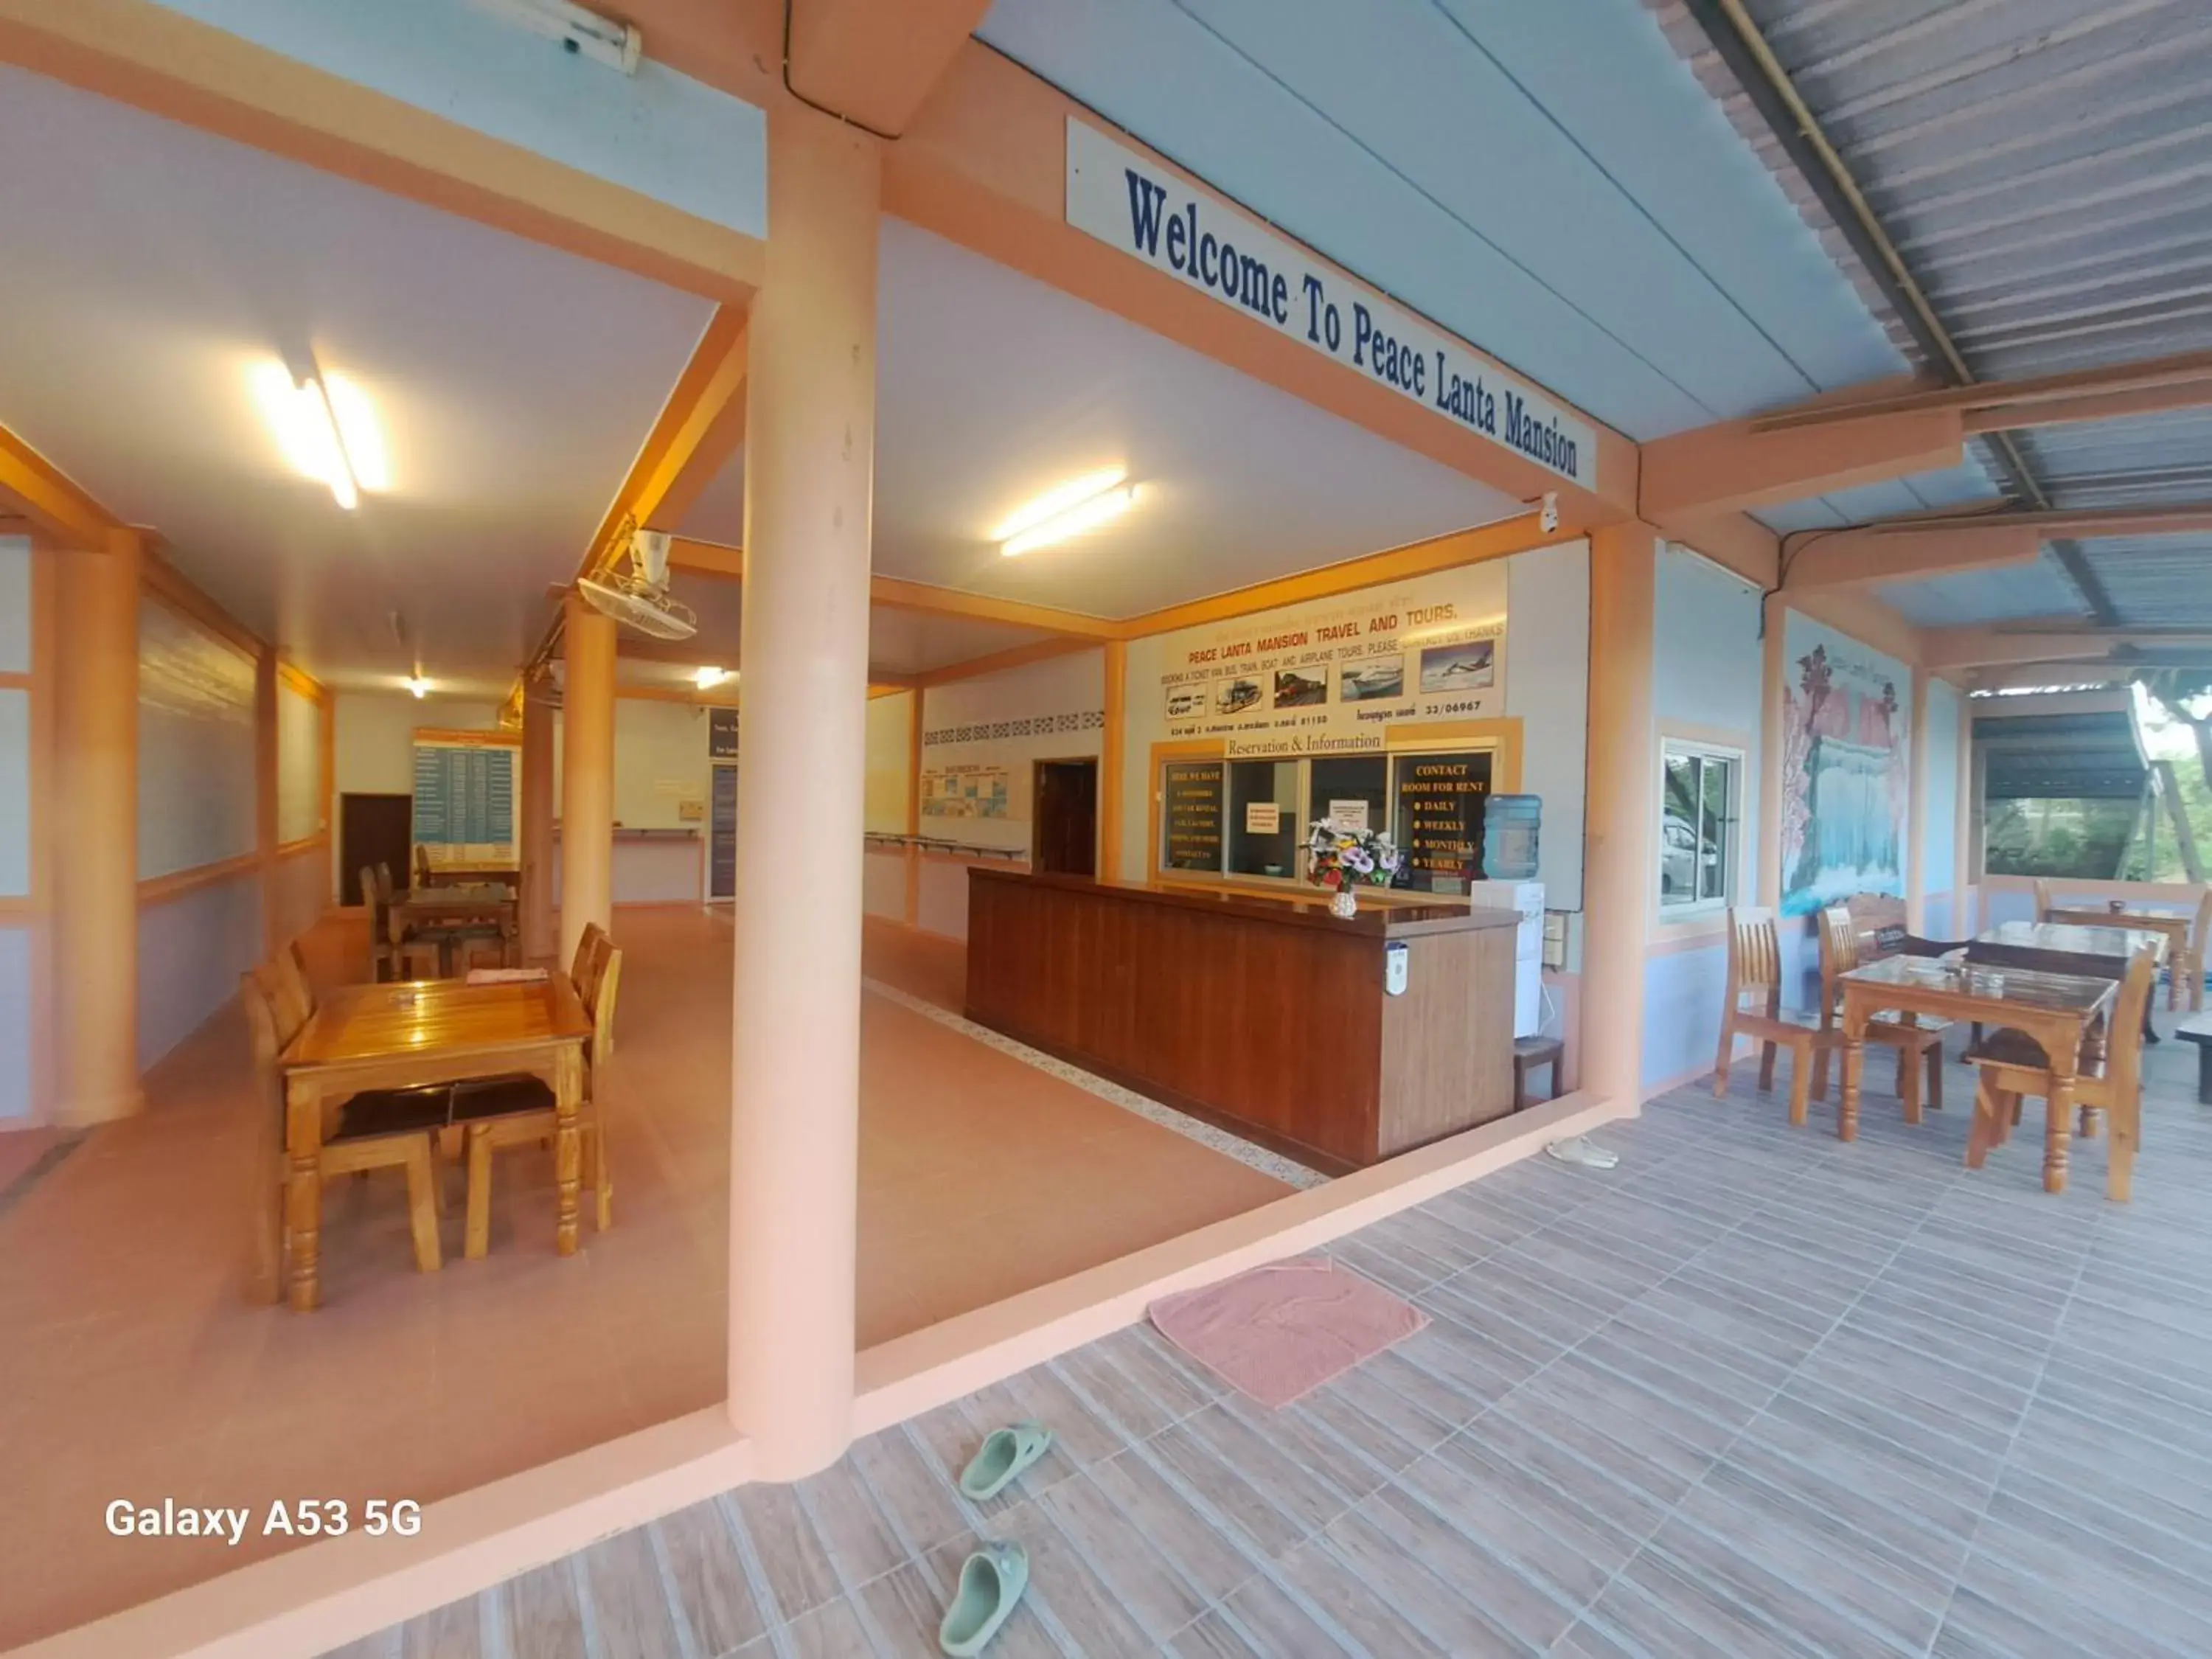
{"x":2058,"y":1125}
{"x":303,"y":1192}
{"x":568,"y":1151}
{"x":1847,"y":1105}
{"x":2204,"y":1073}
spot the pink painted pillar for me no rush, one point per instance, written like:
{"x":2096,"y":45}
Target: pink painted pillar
{"x":794,"y":1142}
{"x":95,"y":850}
{"x":539,"y":941}
{"x":1915,"y":811}
{"x":1624,"y":809}
{"x":587,"y":773}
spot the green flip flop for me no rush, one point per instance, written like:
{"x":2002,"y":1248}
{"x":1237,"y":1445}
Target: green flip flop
{"x":992,"y":1580}
{"x":1005,"y":1454}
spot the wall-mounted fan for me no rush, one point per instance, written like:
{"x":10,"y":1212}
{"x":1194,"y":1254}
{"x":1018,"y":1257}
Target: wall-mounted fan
{"x":638,"y":596}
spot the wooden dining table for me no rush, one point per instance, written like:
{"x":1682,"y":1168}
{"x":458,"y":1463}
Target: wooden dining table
{"x":2172,"y":927}
{"x":456,"y":906}
{"x":421,"y":1034}
{"x":2058,"y":1010}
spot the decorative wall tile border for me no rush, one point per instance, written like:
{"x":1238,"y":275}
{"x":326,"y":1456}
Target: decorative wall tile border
{"x":1205,"y":1134}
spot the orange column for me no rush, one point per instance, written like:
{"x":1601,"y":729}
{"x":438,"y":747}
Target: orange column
{"x":794,"y":1141}
{"x":1965,"y":921}
{"x":1110,"y":746}
{"x":1623,"y":806}
{"x":588,"y":774}
{"x":914,"y":734}
{"x":1915,"y":811}
{"x":95,"y":848}
{"x":535,"y":829}
{"x":1772,"y":741}
{"x":265,"y":796}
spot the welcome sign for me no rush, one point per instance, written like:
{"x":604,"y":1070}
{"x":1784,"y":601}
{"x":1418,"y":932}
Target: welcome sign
{"x":1117,"y":196}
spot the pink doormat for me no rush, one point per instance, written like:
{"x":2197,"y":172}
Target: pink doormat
{"x":1279,"y":1332}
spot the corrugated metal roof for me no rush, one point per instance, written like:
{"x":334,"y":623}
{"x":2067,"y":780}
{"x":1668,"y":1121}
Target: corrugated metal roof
{"x":2044,"y":167}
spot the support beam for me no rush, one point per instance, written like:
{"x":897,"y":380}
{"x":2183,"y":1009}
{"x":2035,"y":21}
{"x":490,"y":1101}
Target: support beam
{"x":1978,"y":647}
{"x":587,"y":775}
{"x":1916,"y":811}
{"x":2170,"y":518}
{"x":873,"y":62}
{"x":2181,"y":381}
{"x":95,"y":855}
{"x":1113,"y":745}
{"x":1737,"y":465}
{"x":794,"y":1132}
{"x":46,"y":499}
{"x":1623,"y":790}
{"x":539,"y":942}
{"x":698,"y":429}
{"x":265,"y":761}
{"x":149,"y":55}
{"x":1871,"y":553}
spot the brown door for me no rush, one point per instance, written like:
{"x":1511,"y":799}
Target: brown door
{"x":374,"y":829}
{"x":1067,"y":817}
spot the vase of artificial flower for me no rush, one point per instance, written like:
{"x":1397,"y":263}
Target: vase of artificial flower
{"x":1343,"y":861}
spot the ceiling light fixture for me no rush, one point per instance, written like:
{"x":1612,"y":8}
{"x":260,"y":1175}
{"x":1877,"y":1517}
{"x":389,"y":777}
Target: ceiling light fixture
{"x":707,"y":678}
{"x":1106,"y":505}
{"x":1067,"y":511}
{"x":582,"y":33}
{"x":418,"y":684}
{"x":327,"y":428}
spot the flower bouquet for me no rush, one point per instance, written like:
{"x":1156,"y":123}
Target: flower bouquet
{"x":1341,"y":859}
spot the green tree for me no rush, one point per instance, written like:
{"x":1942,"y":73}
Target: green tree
{"x":2186,"y":694}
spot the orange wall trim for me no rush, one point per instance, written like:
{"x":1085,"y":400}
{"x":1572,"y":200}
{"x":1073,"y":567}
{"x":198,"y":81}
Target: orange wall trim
{"x":160,"y":889}
{"x":314,"y":843}
{"x":327,"y":1595}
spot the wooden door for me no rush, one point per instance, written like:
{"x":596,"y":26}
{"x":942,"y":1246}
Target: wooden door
{"x":1066,"y":841}
{"x":374,"y":829}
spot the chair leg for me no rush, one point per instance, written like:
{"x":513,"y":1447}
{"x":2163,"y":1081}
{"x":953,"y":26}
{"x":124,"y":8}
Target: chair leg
{"x":477,"y":1237}
{"x":421,"y":1205}
{"x":2120,"y":1152}
{"x":602,"y":1180}
{"x":1721,"y":1060}
{"x":1908,"y":1084}
{"x":1766,"y":1066}
{"x":1983,"y":1134}
{"x":1800,"y":1075}
{"x":1935,"y":1052}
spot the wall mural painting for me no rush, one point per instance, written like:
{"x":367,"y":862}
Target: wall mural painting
{"x":1846,"y":766}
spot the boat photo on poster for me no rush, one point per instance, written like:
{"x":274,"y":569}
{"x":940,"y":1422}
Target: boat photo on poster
{"x":1846,"y":768}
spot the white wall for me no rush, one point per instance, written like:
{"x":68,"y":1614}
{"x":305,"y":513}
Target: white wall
{"x":660,"y":762}
{"x":1049,"y":710}
{"x":373,"y":740}
{"x":1708,"y":670}
{"x":890,"y":721}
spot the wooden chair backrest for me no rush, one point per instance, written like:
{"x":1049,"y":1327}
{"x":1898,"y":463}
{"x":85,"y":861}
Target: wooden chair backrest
{"x":286,"y":981}
{"x":1839,"y":951}
{"x":602,"y":1003}
{"x":422,"y":866}
{"x":2200,"y":934}
{"x":1754,"y":962}
{"x":2123,"y":1053}
{"x":372,"y":897}
{"x":264,"y":1024}
{"x":2043,"y":900}
{"x":592,"y":946}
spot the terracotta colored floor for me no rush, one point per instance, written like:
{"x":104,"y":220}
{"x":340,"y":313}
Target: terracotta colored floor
{"x":133,"y":1369}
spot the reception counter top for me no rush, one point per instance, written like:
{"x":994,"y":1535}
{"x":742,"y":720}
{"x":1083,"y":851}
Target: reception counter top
{"x":1269,"y":1016}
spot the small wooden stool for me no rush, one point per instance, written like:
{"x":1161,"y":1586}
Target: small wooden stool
{"x":2197,"y":1029}
{"x":1528,"y":1053}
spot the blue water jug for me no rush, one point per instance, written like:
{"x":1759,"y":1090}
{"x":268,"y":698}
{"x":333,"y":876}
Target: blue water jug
{"x":1510,"y":826}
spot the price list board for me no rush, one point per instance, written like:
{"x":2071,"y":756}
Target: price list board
{"x":464,"y":798}
{"x":1440,"y":805}
{"x":1190,"y":811}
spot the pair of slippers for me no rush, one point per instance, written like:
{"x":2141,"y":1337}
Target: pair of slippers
{"x":993,"y":1579}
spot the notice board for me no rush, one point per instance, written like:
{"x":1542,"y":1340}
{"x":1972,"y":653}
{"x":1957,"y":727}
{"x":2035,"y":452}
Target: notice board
{"x":1440,"y":807}
{"x":465,"y":795}
{"x":1190,"y":812}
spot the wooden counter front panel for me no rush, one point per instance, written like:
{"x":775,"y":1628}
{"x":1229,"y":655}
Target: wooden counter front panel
{"x":1278,"y":1030}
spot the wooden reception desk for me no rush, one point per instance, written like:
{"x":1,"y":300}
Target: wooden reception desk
{"x":1267,"y":1016}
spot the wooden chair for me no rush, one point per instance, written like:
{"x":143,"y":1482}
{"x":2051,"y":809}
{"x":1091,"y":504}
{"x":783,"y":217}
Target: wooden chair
{"x":1919,"y":1042}
{"x":384,"y":961}
{"x":591,"y":945}
{"x":288,"y":988}
{"x":2043,"y":900}
{"x":2188,"y":960}
{"x":413,"y":952}
{"x":2012,"y":1064}
{"x":1754,"y":970}
{"x":521,"y":1112}
{"x":422,"y":866}
{"x":377,"y":1130}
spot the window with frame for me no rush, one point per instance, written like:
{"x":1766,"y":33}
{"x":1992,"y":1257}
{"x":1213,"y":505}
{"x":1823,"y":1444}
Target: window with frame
{"x":1699,"y":786}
